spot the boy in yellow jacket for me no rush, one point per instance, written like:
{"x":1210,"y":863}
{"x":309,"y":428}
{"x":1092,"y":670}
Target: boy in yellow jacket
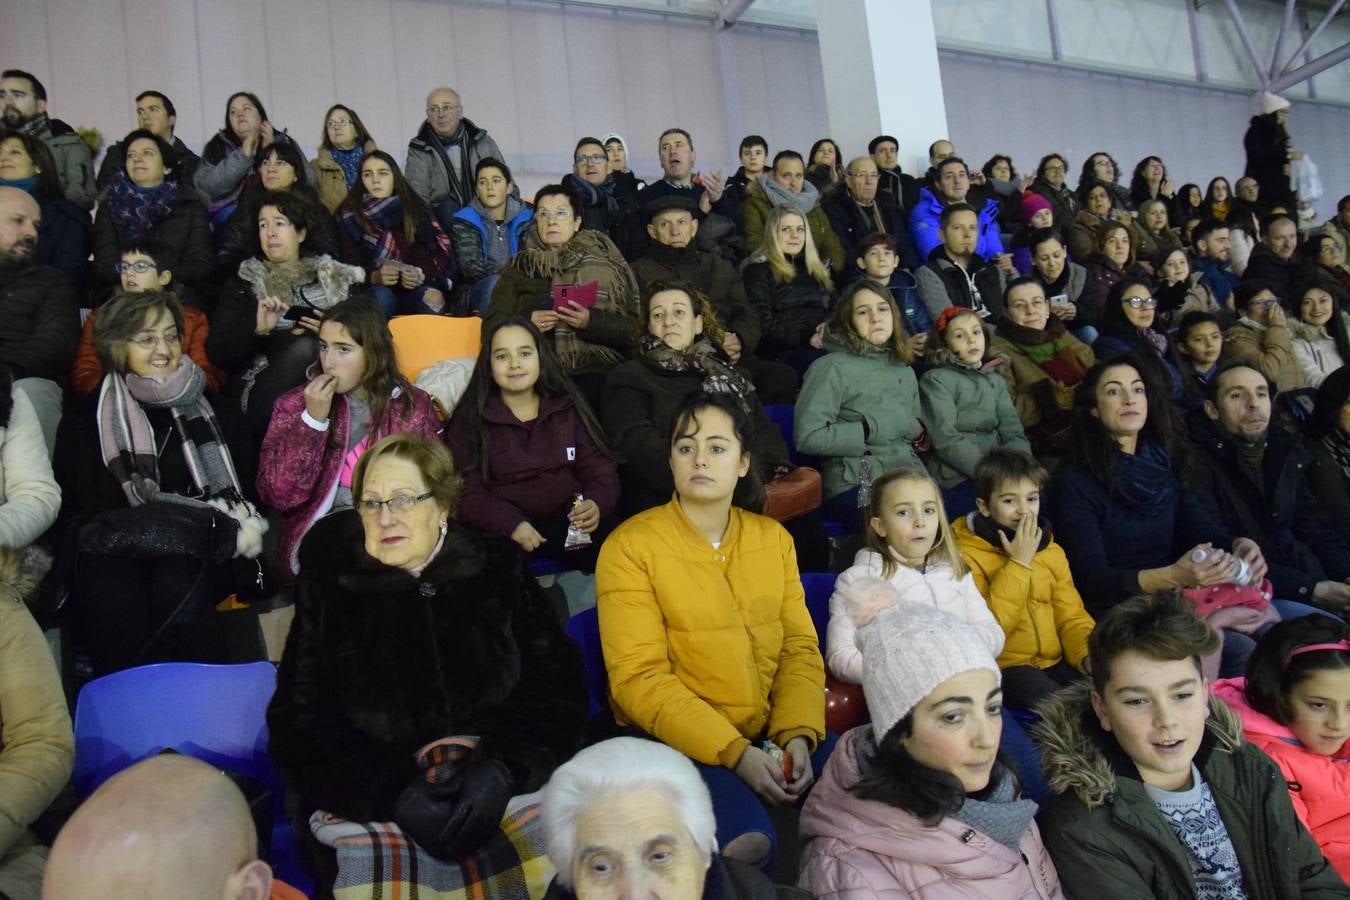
{"x":1024,"y":577}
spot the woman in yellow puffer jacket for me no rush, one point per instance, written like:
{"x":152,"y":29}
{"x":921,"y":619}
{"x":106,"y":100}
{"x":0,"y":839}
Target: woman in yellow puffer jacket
{"x":707,"y":641}
{"x":1024,"y":577}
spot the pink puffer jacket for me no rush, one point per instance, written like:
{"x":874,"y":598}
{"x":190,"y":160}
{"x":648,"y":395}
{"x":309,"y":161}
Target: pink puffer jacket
{"x":864,"y":849}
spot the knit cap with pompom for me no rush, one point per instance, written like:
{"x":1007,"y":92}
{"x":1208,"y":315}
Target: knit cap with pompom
{"x":908,"y":649}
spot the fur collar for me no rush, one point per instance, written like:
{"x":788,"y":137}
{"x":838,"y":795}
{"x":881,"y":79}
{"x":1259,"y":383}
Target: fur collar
{"x":1078,"y":756}
{"x":334,"y":278}
{"x":463,"y":555}
{"x":22,"y":571}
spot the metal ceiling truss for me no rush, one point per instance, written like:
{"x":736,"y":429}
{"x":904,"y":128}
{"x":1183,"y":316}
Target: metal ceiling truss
{"x":1280,"y":73}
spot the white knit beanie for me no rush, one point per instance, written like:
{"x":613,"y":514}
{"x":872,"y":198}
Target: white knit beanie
{"x":908,"y":649}
{"x":1272,"y":103}
{"x":615,"y":136}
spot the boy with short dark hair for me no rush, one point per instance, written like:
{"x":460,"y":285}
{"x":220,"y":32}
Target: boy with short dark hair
{"x":879,"y":261}
{"x":1154,"y":792}
{"x":139,"y":272}
{"x":1024,"y":577}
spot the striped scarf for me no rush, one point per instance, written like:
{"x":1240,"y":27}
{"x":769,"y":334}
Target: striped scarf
{"x":135,"y":209}
{"x":128,"y":441}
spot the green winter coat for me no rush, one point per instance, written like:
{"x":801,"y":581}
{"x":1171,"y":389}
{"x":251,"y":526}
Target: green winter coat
{"x":842,"y":390}
{"x":1108,"y":839}
{"x":967,"y":412}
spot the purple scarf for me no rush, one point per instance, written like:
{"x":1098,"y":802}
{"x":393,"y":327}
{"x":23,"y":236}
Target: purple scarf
{"x":135,"y":210}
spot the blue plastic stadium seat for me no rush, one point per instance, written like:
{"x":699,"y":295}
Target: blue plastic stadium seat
{"x":213,"y":713}
{"x":584,"y":628}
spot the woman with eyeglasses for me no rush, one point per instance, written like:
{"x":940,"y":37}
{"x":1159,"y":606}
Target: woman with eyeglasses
{"x":1261,"y":335}
{"x":146,"y":199}
{"x":344,"y":144}
{"x":155,"y":478}
{"x":354,"y":397}
{"x":576,"y":288}
{"x":1127,"y":326}
{"x":426,"y":682}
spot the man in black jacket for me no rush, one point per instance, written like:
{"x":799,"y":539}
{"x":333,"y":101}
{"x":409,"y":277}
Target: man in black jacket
{"x":39,"y":312}
{"x":1252,"y":478}
{"x":895,"y":186}
{"x":861,"y":210}
{"x":1276,"y":259}
{"x":155,"y":113}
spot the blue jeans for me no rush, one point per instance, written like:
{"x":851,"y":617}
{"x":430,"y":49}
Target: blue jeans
{"x":480,"y":294}
{"x":401,"y":302}
{"x":1237,"y":647}
{"x":738,"y":810}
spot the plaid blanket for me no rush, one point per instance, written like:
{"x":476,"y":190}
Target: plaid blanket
{"x":377,"y":860}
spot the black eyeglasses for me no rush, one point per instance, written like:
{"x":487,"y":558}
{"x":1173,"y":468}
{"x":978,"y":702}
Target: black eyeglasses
{"x":1142,"y":302}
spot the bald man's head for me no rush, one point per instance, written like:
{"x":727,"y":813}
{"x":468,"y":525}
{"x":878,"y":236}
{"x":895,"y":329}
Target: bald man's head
{"x":168,"y":827}
{"x":20,"y":216}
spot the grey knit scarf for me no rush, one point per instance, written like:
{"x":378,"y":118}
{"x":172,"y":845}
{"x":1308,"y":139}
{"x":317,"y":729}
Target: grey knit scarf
{"x":999,"y":815}
{"x":781,"y":196}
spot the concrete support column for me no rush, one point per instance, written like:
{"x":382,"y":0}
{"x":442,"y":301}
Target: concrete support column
{"x":880,"y":61}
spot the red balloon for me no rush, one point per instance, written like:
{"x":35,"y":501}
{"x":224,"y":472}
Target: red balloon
{"x":845,"y":706}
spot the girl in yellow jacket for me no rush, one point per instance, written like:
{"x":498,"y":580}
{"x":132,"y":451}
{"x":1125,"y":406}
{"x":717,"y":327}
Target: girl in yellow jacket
{"x":707,"y":641}
{"x":1024,"y":576}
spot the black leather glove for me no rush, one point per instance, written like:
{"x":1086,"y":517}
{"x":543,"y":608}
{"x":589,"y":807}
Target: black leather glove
{"x":453,"y":819}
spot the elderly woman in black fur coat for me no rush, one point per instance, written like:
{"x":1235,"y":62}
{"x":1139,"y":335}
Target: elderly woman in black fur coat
{"x":427,"y":632}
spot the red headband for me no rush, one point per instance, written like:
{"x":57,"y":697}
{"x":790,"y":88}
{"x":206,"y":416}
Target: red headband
{"x":1343,"y":646}
{"x":950,"y":313}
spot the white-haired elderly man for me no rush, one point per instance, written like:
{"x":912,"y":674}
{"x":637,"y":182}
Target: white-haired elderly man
{"x":631,"y":818}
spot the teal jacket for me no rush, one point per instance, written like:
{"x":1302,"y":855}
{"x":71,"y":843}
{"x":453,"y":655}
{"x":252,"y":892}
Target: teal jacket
{"x":967,"y":412}
{"x":842,"y":391}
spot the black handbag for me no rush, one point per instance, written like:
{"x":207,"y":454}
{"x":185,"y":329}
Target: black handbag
{"x":158,"y":529}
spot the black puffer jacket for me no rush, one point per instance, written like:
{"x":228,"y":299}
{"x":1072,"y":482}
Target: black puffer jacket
{"x":39,"y":321}
{"x":789,"y":311}
{"x":379,"y":663}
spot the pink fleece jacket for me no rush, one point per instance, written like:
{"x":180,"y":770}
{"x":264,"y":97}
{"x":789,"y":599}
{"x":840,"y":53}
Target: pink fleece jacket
{"x":298,"y":467}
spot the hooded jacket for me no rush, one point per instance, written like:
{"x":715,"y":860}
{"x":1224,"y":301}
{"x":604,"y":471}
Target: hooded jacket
{"x":863,"y":849}
{"x":967,"y":412}
{"x":857,"y":403}
{"x":942,"y":283}
{"x":923,"y":226}
{"x":74,"y":162}
{"x":299,"y":464}
{"x":1280,"y":514}
{"x":758,"y":204}
{"x":429,"y":170}
{"x":935,"y":586}
{"x":469,"y":236}
{"x":1036,"y":606}
{"x":1319,"y":786}
{"x":709,"y":648}
{"x":534,"y":469}
{"x":1108,"y":838}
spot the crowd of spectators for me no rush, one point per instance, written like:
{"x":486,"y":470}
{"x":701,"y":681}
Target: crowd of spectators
{"x":691,"y":389}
